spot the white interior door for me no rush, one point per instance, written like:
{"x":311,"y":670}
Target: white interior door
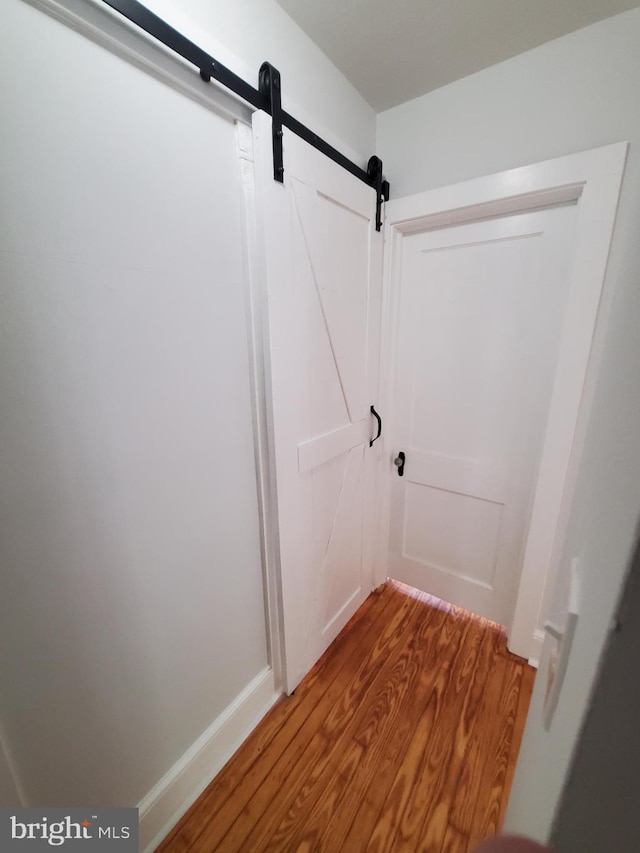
{"x":323,"y":276}
{"x":480,"y":317}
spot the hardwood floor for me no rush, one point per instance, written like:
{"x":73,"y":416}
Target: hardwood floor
{"x":403,"y":737}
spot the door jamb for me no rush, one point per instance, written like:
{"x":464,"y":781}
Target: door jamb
{"x":592,"y":179}
{"x":256,"y":302}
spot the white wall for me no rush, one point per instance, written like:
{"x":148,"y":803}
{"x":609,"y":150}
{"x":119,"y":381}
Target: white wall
{"x":132,"y":607}
{"x":132,"y":617}
{"x":574,"y":93}
{"x":243,"y":34}
{"x":570,"y":94}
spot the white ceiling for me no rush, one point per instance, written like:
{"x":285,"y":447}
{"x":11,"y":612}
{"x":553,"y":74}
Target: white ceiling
{"x":394,"y":50}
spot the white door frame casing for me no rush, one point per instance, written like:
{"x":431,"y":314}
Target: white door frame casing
{"x":592,"y":180}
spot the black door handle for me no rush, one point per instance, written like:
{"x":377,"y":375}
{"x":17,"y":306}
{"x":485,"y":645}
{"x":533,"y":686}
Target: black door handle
{"x":379,"y":419}
{"x":399,"y":463}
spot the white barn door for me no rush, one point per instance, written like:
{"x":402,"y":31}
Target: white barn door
{"x":322,"y":262}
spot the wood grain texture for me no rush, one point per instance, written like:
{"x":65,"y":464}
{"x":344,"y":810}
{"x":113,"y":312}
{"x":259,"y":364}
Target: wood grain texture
{"x":403,"y":736}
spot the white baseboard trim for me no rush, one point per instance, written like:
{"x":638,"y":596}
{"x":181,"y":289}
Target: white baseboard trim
{"x":536,"y":648}
{"x":178,"y":789}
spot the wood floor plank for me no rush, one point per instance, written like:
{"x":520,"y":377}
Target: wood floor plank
{"x":353,"y":768}
{"x":439,"y":796}
{"x":360,"y":804}
{"x":454,"y":841}
{"x":299,"y":729}
{"x":524,"y":700}
{"x":253,"y":761}
{"x":371,"y":799}
{"x":400,"y":816}
{"x":289,"y":777}
{"x":479,"y":748}
{"x":402,"y":737}
{"x":424,"y":822}
{"x":490,"y":792}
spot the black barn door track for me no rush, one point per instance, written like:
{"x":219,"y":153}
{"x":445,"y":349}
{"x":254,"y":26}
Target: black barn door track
{"x":266,"y":97}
